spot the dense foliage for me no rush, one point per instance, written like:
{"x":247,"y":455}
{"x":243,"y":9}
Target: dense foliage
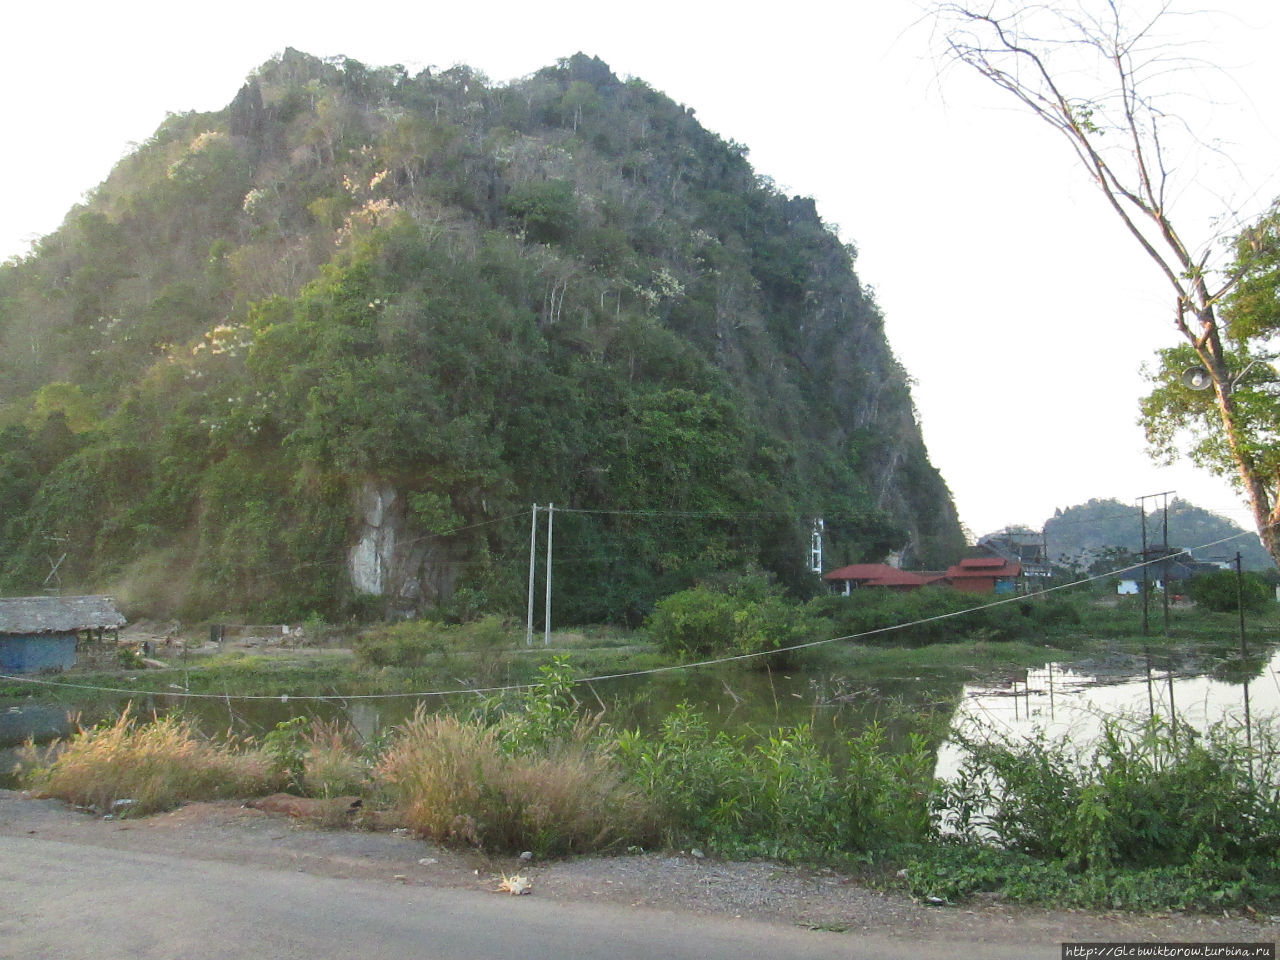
{"x":1149,"y":816}
{"x":450,"y":300}
{"x":748,"y":617}
{"x":1227,"y":592}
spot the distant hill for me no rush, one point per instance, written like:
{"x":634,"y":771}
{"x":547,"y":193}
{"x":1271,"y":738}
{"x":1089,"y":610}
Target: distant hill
{"x":1082,"y":533}
{"x":320,"y":351}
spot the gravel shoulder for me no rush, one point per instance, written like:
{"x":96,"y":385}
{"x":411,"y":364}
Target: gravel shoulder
{"x":667,"y":881}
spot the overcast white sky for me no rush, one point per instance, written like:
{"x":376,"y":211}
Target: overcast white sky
{"x":1011,"y":295}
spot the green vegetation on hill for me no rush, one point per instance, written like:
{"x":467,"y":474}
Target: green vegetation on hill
{"x":454,"y":299}
{"x":1098,"y":531}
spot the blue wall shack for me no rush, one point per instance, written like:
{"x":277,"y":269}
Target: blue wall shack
{"x":41,"y":633}
{"x":32,"y":654}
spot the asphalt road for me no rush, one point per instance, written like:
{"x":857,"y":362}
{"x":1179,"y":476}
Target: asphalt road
{"x":64,"y":901}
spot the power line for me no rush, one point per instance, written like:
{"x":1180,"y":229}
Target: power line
{"x":652,"y":671}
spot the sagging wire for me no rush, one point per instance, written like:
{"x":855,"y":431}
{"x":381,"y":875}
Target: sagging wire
{"x":650,"y":671}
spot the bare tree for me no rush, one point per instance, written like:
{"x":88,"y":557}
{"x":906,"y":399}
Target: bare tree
{"x":1106,"y":83}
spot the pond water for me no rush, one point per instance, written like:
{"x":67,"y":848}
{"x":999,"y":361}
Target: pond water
{"x":1061,"y":699}
{"x":1073,"y":700}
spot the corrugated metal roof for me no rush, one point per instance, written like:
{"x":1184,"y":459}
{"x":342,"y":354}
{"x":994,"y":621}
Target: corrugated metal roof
{"x":983,"y":567}
{"x":28,"y":615}
{"x":877,"y":575}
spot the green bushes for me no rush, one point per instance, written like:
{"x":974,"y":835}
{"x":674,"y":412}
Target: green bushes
{"x":416,"y":643}
{"x":749,"y":616}
{"x":780,"y":795}
{"x":1140,"y":797}
{"x":940,"y":615}
{"x":1147,"y":817}
{"x":1224,"y":592}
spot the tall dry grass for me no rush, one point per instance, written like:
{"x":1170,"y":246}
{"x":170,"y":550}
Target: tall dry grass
{"x":156,"y":765}
{"x":452,"y":779}
{"x":332,"y":764}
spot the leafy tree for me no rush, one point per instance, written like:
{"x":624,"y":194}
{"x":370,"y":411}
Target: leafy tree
{"x":1224,"y":592}
{"x":546,"y":210}
{"x":1248,"y":320}
{"x":1098,"y":76}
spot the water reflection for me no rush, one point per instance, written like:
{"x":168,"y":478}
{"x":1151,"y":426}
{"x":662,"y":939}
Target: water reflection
{"x":1060,"y":699}
{"x":1073,"y":700}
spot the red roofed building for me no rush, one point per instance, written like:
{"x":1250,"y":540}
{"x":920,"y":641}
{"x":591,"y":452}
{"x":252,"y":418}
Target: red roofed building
{"x":985,"y":575}
{"x":859,"y":575}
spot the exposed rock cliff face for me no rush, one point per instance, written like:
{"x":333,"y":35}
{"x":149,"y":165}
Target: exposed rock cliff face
{"x":391,"y":559}
{"x":372,"y":558}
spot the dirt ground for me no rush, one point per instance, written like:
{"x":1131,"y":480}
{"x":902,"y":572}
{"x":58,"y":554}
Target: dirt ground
{"x":672,"y":880}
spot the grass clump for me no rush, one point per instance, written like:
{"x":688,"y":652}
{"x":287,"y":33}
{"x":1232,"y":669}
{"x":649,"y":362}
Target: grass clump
{"x":451,"y":779}
{"x":536,"y":775}
{"x":153,"y":766}
{"x":317,"y":758}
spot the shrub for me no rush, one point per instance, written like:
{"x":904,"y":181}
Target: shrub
{"x":693,"y":623}
{"x":452,"y":780}
{"x":416,"y":643}
{"x":1144,"y":797}
{"x":1223,"y":592}
{"x":781,"y":796}
{"x":749,"y":616}
{"x":154,"y":766}
{"x":316,"y":759}
{"x":412,"y":643}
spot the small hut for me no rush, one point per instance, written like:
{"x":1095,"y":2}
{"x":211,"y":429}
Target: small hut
{"x":42,"y":633}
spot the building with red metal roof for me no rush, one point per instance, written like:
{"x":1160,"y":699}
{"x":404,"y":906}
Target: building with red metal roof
{"x":985,"y":575}
{"x":858,"y":575}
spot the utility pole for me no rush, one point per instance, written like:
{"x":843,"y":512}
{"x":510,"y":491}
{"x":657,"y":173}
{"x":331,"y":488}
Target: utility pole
{"x":1164,"y":565}
{"x":1164,"y":562}
{"x":1244,"y":647}
{"x":1244,"y":666}
{"x":533,"y":547}
{"x":1146,"y":600}
{"x":533,"y":541}
{"x":551,"y":511}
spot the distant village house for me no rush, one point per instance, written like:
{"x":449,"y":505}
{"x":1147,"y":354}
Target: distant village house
{"x":858,"y":575}
{"x":985,"y":575}
{"x":43,"y":633}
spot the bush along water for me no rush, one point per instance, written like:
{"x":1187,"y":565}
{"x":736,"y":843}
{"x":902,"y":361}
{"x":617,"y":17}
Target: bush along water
{"x":780,"y":795}
{"x":1148,"y":816}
